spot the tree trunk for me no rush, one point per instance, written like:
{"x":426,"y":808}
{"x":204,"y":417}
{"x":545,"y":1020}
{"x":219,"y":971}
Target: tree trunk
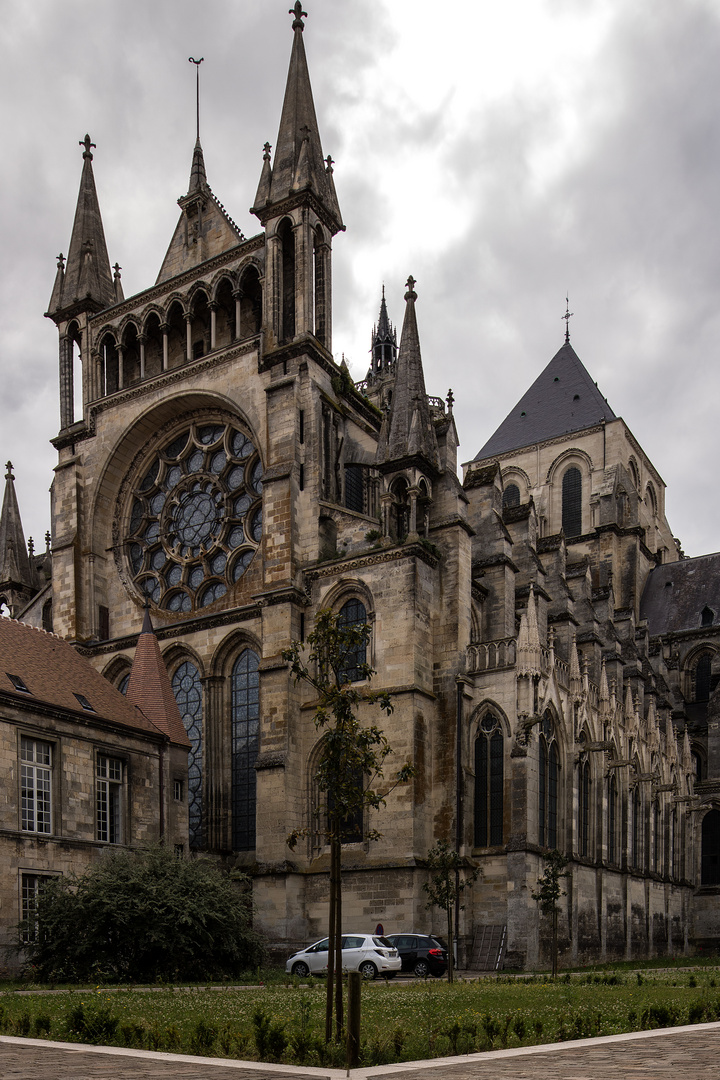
{"x":331,"y":948}
{"x":554,"y":943}
{"x":339,"y":1017}
{"x":451,"y":955}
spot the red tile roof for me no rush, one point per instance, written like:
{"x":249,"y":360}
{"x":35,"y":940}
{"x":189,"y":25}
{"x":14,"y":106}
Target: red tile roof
{"x":54,"y":672}
{"x":149,"y":686}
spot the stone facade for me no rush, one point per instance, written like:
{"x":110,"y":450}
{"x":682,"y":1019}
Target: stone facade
{"x":226,"y":468}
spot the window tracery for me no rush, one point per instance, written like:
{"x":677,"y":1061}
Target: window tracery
{"x":195,"y":517}
{"x":489,"y":782}
{"x":187,"y":689}
{"x":548,"y":784}
{"x":245,"y":721}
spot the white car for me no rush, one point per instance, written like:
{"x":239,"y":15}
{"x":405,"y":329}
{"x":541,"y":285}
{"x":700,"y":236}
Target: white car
{"x":367,"y":953}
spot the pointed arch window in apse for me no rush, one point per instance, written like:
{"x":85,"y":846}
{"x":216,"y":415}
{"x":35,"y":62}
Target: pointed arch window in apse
{"x":188,"y":695}
{"x":572,"y":502}
{"x":245,"y":744}
{"x":489,"y":783}
{"x":548,"y":785}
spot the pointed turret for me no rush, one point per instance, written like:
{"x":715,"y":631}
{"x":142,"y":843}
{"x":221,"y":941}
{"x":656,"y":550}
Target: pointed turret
{"x":299,"y":162}
{"x":84,"y":283}
{"x":383,"y":346}
{"x":149,"y":686}
{"x":204,"y":229}
{"x":17,"y":580}
{"x":408,"y":430}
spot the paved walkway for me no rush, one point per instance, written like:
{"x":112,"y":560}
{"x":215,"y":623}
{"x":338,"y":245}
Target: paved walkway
{"x":693,"y":1052}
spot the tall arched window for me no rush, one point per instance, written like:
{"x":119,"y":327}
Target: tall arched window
{"x":286,"y":235}
{"x":584,"y":808}
{"x":572,"y":501}
{"x":188,"y":694}
{"x":656,"y":838}
{"x":612,"y":821}
{"x":702,"y":677}
{"x":489,"y":783}
{"x":636,"y":856}
{"x":511,"y":496}
{"x":353,"y":613}
{"x":710,"y":863}
{"x":548,"y":785}
{"x":245,"y":723}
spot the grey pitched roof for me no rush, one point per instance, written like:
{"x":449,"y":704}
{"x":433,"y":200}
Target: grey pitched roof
{"x":562,"y":399}
{"x":676,"y":594}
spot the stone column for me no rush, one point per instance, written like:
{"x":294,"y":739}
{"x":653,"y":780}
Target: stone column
{"x":237,"y":297}
{"x":121,"y":374}
{"x":142,"y":339}
{"x":213,"y":324}
{"x":67,"y":405}
{"x":164,"y":329}
{"x":188,"y":336}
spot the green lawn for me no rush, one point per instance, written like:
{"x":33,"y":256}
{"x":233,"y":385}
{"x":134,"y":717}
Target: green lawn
{"x":401,"y":1021}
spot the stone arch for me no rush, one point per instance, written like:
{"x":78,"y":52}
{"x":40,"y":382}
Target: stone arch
{"x":116,"y":669}
{"x":223,"y":303}
{"x":176,"y":332}
{"x":130,"y":353}
{"x":199,"y":308}
{"x":110,"y":363}
{"x":287,"y":265}
{"x":634,"y":472}
{"x":251,"y":300}
{"x":562,"y":499}
{"x":230,"y":648}
{"x":154,"y":347}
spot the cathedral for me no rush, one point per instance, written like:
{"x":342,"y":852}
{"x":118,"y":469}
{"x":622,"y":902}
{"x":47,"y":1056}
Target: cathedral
{"x":552,"y":656}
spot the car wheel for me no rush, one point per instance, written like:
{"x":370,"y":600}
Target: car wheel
{"x":300,"y":970}
{"x":368,"y":970}
{"x":421,"y":969}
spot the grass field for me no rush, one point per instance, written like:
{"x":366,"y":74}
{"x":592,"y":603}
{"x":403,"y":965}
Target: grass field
{"x":401,"y":1021}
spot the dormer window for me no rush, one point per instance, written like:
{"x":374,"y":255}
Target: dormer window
{"x":84,"y":702}
{"x":18,"y":683}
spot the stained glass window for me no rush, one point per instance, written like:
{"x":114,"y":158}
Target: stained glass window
{"x":572,"y":502}
{"x":245,"y":743}
{"x":197,"y":503}
{"x":549,"y":765}
{"x":511,"y":496}
{"x":353,"y":613}
{"x":188,"y":694}
{"x":489,"y":783}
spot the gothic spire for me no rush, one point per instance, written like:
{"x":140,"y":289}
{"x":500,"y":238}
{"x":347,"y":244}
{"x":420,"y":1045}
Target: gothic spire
{"x":15,"y":569}
{"x":408,"y":430}
{"x":198,"y":176}
{"x":299,"y":163}
{"x":149,"y":686}
{"x":85,"y":282}
{"x":384,"y":342}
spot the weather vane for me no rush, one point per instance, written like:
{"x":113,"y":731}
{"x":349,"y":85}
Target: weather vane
{"x":567,"y":317}
{"x":197,"y":63}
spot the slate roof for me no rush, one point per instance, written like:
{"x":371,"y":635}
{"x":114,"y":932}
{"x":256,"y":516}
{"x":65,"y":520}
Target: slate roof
{"x":562,"y":399}
{"x":54,"y":672}
{"x":676,"y":593}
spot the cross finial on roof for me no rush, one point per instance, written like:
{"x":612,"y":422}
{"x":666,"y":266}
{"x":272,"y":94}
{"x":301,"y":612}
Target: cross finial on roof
{"x":48,"y":540}
{"x":87,"y":144}
{"x":61,"y":261}
{"x":266,"y":151}
{"x":299,"y":14}
{"x":117,"y":268}
{"x":9,"y":473}
{"x":329,"y":163}
{"x":410,"y":294}
{"x":567,"y":317}
{"x":450,"y":401}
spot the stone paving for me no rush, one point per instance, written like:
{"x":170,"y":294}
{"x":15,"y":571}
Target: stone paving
{"x":693,"y":1052}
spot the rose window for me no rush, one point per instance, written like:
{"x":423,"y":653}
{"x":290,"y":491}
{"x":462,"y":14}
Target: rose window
{"x":195,"y":517}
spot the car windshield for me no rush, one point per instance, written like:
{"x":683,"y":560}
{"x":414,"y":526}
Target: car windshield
{"x":383,"y":941}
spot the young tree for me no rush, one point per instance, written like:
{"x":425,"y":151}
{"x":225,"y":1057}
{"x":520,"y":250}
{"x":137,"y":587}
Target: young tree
{"x":352,"y":758}
{"x":548,"y":894}
{"x":445,"y":887}
{"x":143,"y":915}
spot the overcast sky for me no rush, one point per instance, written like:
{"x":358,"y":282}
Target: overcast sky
{"x":502,"y":153}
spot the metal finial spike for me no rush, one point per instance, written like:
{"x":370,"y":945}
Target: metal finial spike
{"x":567,"y":317}
{"x":88,"y":145}
{"x":299,"y":14}
{"x":197,"y":63}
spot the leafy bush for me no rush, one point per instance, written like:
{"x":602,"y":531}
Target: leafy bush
{"x":144,"y":916}
{"x":95,"y":1024}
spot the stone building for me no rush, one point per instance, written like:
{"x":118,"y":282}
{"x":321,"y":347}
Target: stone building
{"x":82,"y":767}
{"x":552,"y":657}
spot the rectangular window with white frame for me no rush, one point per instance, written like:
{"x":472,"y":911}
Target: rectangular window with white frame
{"x":109,"y":775}
{"x":35,"y":785}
